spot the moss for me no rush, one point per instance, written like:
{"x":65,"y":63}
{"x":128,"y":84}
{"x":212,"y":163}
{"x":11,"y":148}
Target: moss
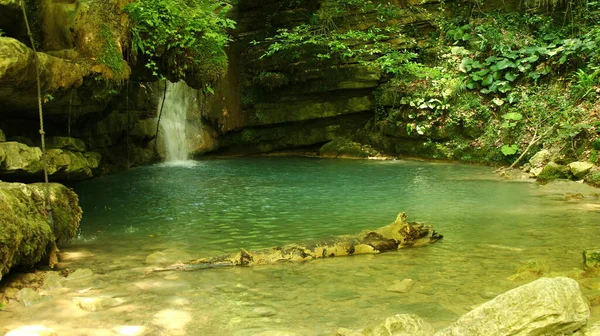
{"x":341,"y":147}
{"x":593,"y":178}
{"x":25,"y":233}
{"x":553,"y":171}
{"x":110,"y":54}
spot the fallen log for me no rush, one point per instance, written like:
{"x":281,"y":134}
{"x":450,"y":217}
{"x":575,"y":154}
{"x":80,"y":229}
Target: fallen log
{"x":399,"y":234}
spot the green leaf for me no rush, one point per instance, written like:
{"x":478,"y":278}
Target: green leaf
{"x":509,"y":76}
{"x":513,"y":116}
{"x":488,"y":80}
{"x":509,"y":150}
{"x":472,"y":85}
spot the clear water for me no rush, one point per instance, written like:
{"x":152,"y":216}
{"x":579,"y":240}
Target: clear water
{"x":491,"y":227}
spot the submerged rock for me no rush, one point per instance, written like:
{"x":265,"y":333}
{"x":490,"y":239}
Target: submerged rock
{"x":26,"y":234}
{"x":403,"y":286}
{"x":591,"y":260}
{"x":543,"y":307}
{"x":401,"y":325}
{"x":29,"y":297}
{"x":34,"y":330}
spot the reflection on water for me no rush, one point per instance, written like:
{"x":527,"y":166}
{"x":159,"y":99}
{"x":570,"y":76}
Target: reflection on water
{"x":491,"y":229}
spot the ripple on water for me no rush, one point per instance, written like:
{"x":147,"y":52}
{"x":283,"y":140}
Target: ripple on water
{"x":207,"y":208}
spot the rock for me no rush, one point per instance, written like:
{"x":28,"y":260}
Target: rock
{"x":345,"y":148}
{"x":21,"y":158}
{"x":2,"y":155}
{"x":132,"y":330}
{"x":96,"y":304}
{"x":72,"y":144}
{"x":593,"y":330}
{"x":277,"y":333}
{"x":591,"y":260}
{"x":168,"y":256}
{"x":553,"y":171}
{"x":580,"y":169}
{"x":81,"y":273}
{"x":2,"y":136}
{"x":403,"y":286}
{"x":25,"y":233}
{"x":53,"y":281}
{"x":534,"y":172}
{"x":34,"y":330}
{"x":347,"y":332}
{"x":593,"y":178}
{"x":543,"y":307}
{"x":261,"y":312}
{"x":540,"y":158}
{"x":401,"y":325}
{"x":29,"y":297}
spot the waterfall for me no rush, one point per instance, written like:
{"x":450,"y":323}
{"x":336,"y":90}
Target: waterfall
{"x":178,"y":100}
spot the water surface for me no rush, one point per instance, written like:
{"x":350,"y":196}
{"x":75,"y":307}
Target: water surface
{"x":492,"y":228}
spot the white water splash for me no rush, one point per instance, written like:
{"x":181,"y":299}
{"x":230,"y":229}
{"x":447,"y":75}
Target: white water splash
{"x":178,"y":100}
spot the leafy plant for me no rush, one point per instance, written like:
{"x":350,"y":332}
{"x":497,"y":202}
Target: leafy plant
{"x":178,"y":36}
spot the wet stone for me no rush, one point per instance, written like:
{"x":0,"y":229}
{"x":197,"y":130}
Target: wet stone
{"x":261,"y":312}
{"x":95,"y":304}
{"x":53,"y":281}
{"x":35,"y":330}
{"x":424,"y":310}
{"x":28,"y":297}
{"x":403,"y":286}
{"x":342,"y":295}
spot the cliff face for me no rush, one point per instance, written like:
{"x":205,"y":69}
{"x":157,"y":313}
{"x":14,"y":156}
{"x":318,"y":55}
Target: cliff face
{"x":81,"y":48}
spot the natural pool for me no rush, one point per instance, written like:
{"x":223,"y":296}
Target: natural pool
{"x":491,"y":227}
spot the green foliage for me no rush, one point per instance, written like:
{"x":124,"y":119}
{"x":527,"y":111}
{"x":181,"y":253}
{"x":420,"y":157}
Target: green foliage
{"x":178,"y":36}
{"x":1,"y":32}
{"x":110,"y":54}
{"x":586,"y":83}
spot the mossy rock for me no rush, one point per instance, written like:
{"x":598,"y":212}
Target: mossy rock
{"x":591,"y":260}
{"x":553,"y":171}
{"x":593,"y":178}
{"x":72,"y":144}
{"x":26,"y":233}
{"x":345,"y":148}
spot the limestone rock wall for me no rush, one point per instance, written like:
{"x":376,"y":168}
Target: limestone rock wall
{"x":277,"y":102}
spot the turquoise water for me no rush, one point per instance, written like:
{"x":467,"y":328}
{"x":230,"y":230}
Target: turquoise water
{"x":491,"y":229}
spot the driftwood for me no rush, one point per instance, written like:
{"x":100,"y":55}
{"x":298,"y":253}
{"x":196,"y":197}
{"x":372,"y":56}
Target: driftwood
{"x":399,"y":234}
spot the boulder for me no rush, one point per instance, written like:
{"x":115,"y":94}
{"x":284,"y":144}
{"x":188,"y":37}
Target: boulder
{"x":580,"y":169}
{"x":345,"y":148}
{"x":591,"y":260}
{"x":553,"y":171}
{"x":20,"y":158}
{"x":26,"y":234}
{"x":540,"y":158}
{"x":547,"y":306}
{"x":401,"y":325}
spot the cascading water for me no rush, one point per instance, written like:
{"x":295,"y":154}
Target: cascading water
{"x":178,"y":100}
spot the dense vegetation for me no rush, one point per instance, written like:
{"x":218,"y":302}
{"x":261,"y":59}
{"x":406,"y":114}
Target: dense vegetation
{"x":501,"y":84}
{"x":179,"y":38}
